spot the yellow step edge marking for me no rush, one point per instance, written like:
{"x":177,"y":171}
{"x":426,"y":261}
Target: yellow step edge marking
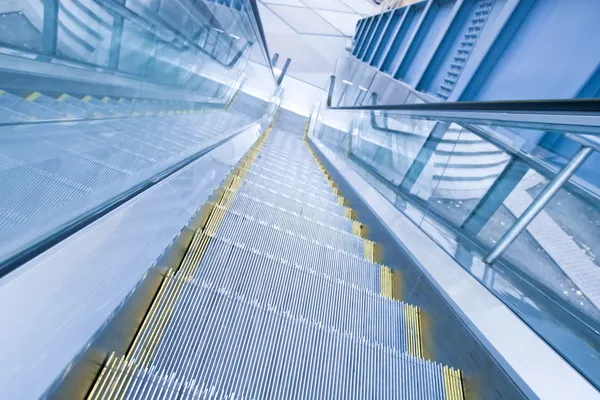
{"x":413,"y":329}
{"x":390,"y":286}
{"x":160,"y":325}
{"x":62,"y":97}
{"x":349,"y":213}
{"x":2,"y":92}
{"x":155,"y":321}
{"x":151,"y":324}
{"x":342,"y":201}
{"x":105,"y":371}
{"x":372,"y":251}
{"x":87,"y":98}
{"x":385,"y":281}
{"x":33,"y":96}
{"x":105,"y":99}
{"x":453,"y":383}
{"x":390,"y":283}
{"x":359,"y":229}
{"x":110,"y":378}
{"x":150,"y":315}
{"x":119,"y":376}
{"x":128,"y":375}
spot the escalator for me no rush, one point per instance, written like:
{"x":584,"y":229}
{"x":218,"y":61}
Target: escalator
{"x":168,"y":230}
{"x":279,"y":295}
{"x":60,"y":153}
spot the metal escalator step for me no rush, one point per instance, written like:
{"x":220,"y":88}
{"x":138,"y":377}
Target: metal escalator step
{"x":296,"y":172}
{"x":270,"y":303}
{"x":347,"y":239}
{"x":295,"y":205}
{"x":295,"y":153}
{"x":329,"y":204}
{"x":286,"y":146}
{"x":181,"y":333}
{"x":299,"y":159}
{"x":314,"y":185}
{"x":306,"y":293}
{"x":286,"y":245}
{"x":274,"y":182}
{"x":298,"y":154}
{"x":237,"y":224}
{"x":292,"y":178}
{"x":241,"y":348}
{"x":305,"y":166}
{"x":27,"y":109}
{"x":361,"y":275}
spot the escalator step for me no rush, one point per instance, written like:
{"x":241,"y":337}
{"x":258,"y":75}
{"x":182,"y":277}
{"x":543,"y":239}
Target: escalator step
{"x":306,"y":292}
{"x":253,"y":350}
{"x":298,"y":206}
{"x":300,"y":225}
{"x":278,"y":297}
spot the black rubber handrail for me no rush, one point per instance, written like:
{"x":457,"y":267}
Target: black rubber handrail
{"x":560,"y":106}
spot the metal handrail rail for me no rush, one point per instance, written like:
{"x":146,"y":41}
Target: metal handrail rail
{"x":283,"y":71}
{"x":275,"y":59}
{"x":533,"y":162}
{"x":22,"y":256}
{"x":261,"y":34}
{"x":572,"y":116}
{"x":563,"y":106}
{"x":569,"y":115}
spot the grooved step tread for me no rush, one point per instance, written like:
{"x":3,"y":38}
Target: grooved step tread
{"x":258,"y":309}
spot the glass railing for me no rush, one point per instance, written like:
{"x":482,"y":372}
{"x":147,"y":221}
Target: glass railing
{"x":101,"y":99}
{"x":513,"y":196}
{"x":357,"y":81}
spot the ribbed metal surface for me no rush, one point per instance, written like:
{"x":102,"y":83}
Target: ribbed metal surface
{"x":299,"y":225}
{"x":276,"y":299}
{"x":324,"y":200}
{"x":45,"y":167}
{"x":308,"y":185}
{"x":294,"y":204}
{"x":241,"y":348}
{"x":303,"y":292}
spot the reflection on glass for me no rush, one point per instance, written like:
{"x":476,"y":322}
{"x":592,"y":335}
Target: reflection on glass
{"x":466,"y":185}
{"x":100,"y":97}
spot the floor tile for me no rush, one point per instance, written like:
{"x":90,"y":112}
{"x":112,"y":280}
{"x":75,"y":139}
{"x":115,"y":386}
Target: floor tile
{"x":344,"y":22}
{"x":304,"y":20}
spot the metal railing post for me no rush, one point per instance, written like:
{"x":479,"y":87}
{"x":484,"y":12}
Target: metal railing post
{"x":538,"y":204}
{"x":50,"y":27}
{"x":283,"y":71}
